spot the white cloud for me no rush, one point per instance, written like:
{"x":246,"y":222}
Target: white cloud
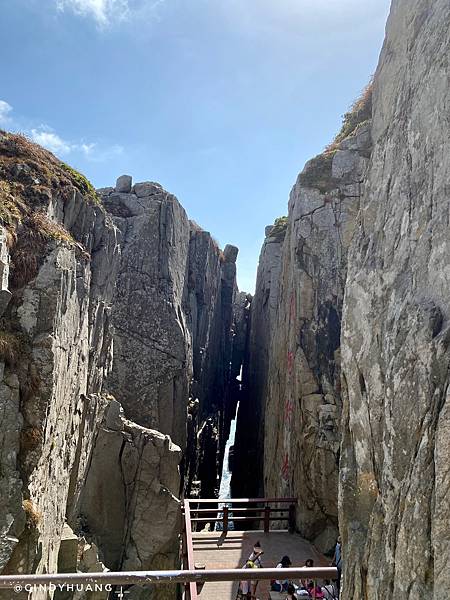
{"x":5,"y":109}
{"x":100,"y":154}
{"x":48,"y":138}
{"x":87,"y":149}
{"x":51,"y":141}
{"x":102,"y":11}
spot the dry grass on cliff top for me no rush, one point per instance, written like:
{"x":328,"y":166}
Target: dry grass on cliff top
{"x":318,"y":171}
{"x":360,"y":112}
{"x":10,"y":348}
{"x":279,"y":228}
{"x":30,"y":176}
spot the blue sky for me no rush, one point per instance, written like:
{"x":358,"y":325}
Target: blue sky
{"x":221,"y":101}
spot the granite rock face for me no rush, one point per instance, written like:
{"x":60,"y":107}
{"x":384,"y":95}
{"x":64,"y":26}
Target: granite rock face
{"x":98,"y":299}
{"x":358,"y":357}
{"x":395,"y":479}
{"x":249,"y":440}
{"x":173,"y":314}
{"x":292,"y":371}
{"x":56,"y":325}
{"x":151,"y":368}
{"x":301,"y":455}
{"x":129,"y":502}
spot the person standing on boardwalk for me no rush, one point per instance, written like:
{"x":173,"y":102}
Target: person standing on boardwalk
{"x":337,"y":562}
{"x":248,"y":588}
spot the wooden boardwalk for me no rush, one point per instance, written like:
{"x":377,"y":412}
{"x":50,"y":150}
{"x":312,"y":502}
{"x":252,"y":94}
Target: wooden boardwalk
{"x":236,"y":548}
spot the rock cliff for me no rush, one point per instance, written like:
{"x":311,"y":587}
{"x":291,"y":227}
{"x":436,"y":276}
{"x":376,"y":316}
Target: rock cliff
{"x":107,"y":300}
{"x":347,"y":371}
{"x":292,"y":370}
{"x":395,"y":482}
{"x":249,"y":440}
{"x":123,"y":333}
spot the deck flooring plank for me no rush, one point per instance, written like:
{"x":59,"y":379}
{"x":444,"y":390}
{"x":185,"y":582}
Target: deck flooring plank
{"x":236,"y":548}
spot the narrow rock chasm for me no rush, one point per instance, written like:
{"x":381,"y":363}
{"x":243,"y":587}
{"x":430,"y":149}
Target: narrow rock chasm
{"x":134,"y":373}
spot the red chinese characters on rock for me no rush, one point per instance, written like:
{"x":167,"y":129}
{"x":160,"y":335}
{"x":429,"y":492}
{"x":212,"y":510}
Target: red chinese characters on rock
{"x":288,"y":410}
{"x":290,"y":361}
{"x":285,"y":468}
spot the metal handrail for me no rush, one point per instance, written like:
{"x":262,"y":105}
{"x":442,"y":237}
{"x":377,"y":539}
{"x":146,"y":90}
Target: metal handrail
{"x":241,"y":509}
{"x":248,"y":518}
{"x":241,"y":500}
{"x":166,"y":577}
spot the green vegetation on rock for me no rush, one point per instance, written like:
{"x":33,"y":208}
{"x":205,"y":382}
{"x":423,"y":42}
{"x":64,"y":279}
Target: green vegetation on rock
{"x":279,"y":228}
{"x":81,"y":183}
{"x":30,"y":176}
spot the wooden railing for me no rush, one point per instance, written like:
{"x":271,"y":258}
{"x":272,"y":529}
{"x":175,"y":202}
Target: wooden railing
{"x":269,"y":512}
{"x":265,"y":514}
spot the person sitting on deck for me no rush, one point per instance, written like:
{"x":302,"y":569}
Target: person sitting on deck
{"x":315,"y":591}
{"x":329,"y":593}
{"x":277,"y":585}
{"x":248,"y":588}
{"x":309,"y":564}
{"x":291,"y":592}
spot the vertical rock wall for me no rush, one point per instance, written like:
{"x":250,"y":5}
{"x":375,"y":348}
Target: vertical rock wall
{"x":364,"y":264}
{"x":395,"y":481}
{"x":152,"y":361}
{"x":172,"y":318}
{"x":292,"y":373}
{"x":55,"y":348}
{"x":248,"y":475}
{"x":132,"y":300}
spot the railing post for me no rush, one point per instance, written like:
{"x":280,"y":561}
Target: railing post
{"x":200,"y":584}
{"x":291,"y":518}
{"x":189,"y":548}
{"x":225,"y":520}
{"x":266,"y":519}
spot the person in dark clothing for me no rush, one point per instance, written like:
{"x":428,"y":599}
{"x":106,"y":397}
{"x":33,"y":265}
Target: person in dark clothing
{"x":291,"y":592}
{"x":337,"y":562}
{"x":279,"y":585}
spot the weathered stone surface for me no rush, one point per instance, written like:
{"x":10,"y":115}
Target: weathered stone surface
{"x":177,"y":348}
{"x":68,"y":551}
{"x":5,"y":294}
{"x":12,"y":516}
{"x":130,"y":491}
{"x":60,"y":318}
{"x":147,"y":188}
{"x":249,"y":440}
{"x":123,"y":184}
{"x":292,"y":377}
{"x":152,"y":365}
{"x":395,"y":484}
{"x":209,"y":304}
{"x":134,"y":298}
